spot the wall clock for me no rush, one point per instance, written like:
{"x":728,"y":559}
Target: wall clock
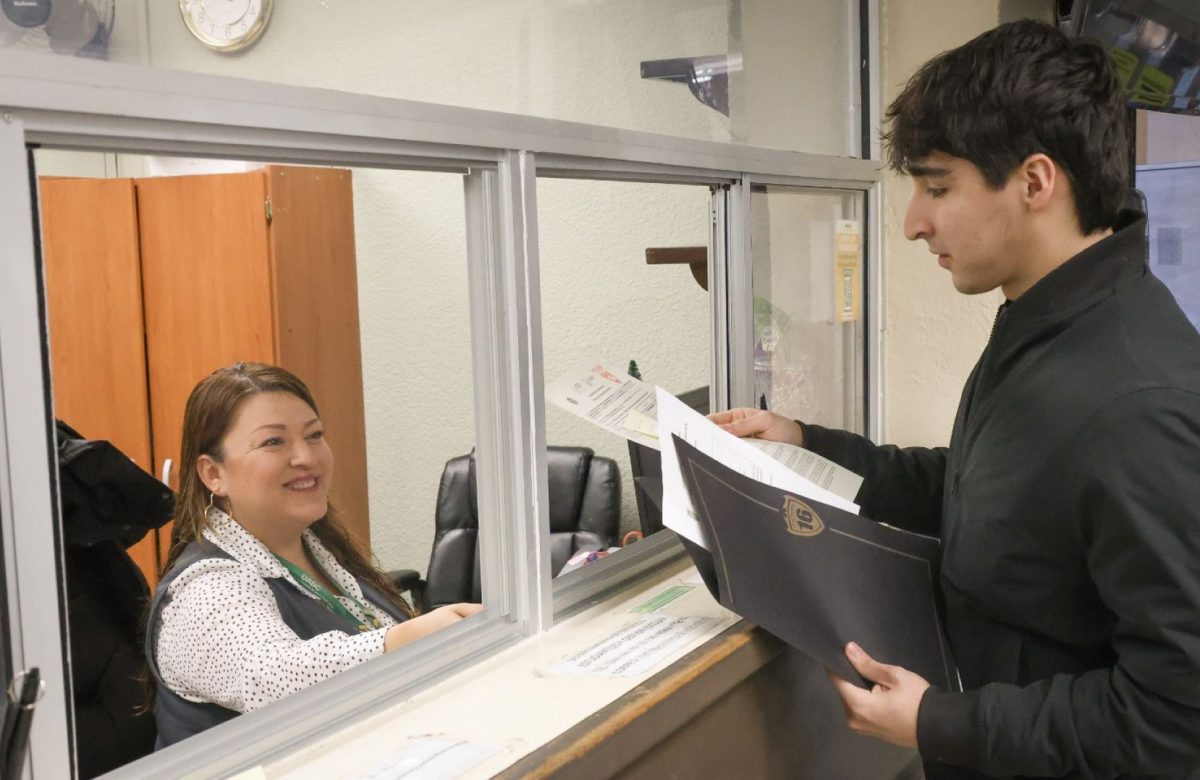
{"x":226,"y":25}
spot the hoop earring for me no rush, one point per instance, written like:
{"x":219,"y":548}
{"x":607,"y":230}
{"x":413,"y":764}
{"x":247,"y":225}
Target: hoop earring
{"x":210,"y":502}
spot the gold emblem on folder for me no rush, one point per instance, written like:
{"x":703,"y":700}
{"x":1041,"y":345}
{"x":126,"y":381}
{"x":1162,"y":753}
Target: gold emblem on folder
{"x":801,"y":519}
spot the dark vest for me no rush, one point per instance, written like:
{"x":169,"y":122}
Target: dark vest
{"x":179,"y":718}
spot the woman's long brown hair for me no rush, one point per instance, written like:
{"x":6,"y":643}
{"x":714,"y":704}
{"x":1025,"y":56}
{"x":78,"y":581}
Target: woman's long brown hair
{"x":208,"y":416}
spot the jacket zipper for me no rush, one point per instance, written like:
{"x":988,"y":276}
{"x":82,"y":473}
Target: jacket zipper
{"x":973,"y":401}
{"x":983,"y":369}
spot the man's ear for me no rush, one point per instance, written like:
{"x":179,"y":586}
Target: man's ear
{"x":210,"y":474}
{"x":1038,"y":176}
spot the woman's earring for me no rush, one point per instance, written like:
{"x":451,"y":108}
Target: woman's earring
{"x":210,"y":502}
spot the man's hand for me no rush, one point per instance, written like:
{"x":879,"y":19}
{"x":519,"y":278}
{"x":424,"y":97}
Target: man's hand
{"x":889,"y":710}
{"x":760,"y":424}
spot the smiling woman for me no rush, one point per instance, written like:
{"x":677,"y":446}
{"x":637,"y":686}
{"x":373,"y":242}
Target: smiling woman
{"x":265,"y":592}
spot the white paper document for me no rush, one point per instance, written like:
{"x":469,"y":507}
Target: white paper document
{"x":808,"y":464}
{"x":430,"y":758}
{"x":628,"y":407}
{"x":675,"y":417}
{"x":637,"y":647}
{"x":613,"y":400}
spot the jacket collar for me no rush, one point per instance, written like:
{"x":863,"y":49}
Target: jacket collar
{"x":1088,"y":277}
{"x":1054,"y":302}
{"x":1061,"y":296}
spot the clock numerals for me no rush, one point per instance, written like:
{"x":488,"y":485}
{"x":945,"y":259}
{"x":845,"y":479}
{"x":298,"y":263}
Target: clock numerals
{"x":226,"y":25}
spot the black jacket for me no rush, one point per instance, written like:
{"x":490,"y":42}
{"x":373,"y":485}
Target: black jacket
{"x":1068,"y":505}
{"x":108,"y":504}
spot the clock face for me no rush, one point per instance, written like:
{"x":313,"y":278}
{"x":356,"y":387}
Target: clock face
{"x":226,"y":25}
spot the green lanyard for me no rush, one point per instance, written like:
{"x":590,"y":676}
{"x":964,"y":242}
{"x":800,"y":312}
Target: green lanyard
{"x":320,"y":591}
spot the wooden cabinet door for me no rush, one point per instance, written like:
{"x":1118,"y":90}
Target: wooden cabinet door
{"x":207,"y":288}
{"x":94,"y":306}
{"x":317,"y":325}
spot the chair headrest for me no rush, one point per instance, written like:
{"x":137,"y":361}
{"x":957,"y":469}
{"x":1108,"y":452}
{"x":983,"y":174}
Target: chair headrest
{"x":570,"y":473}
{"x":567,"y":471}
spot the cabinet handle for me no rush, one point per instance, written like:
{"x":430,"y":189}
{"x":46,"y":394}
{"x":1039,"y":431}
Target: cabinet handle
{"x":166,"y":472}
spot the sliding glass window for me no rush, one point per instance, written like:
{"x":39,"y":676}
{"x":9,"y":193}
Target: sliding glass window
{"x":624,"y":293}
{"x":810,"y":304}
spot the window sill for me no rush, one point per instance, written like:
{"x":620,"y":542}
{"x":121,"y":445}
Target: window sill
{"x":538,"y":719}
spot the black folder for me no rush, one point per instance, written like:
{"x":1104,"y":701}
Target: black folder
{"x":817,"y":576}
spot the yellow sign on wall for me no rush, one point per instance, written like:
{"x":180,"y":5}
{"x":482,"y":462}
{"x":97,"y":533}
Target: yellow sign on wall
{"x":847,"y":277}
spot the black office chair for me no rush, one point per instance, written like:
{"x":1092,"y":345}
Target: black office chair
{"x":585,"y":513}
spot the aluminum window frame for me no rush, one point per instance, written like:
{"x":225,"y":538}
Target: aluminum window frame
{"x":731,"y":318}
{"x":33,"y":550}
{"x":54,"y":102}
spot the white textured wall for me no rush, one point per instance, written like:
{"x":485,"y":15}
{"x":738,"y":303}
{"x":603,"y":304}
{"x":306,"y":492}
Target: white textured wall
{"x":562,"y":59}
{"x":416,"y":344}
{"x":933,"y":333}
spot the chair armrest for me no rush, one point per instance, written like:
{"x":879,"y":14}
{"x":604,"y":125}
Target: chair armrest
{"x":406,"y":579}
{"x":409,"y":581}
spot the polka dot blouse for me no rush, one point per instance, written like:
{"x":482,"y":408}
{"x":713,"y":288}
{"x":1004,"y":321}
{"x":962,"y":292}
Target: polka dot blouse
{"x":222,"y":639}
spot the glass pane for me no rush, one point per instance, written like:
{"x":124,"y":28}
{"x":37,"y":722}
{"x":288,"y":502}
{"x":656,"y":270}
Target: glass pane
{"x":1171,"y":194}
{"x":809,"y":304}
{"x":417,"y":378}
{"x":605,"y":303}
{"x":352,"y":279}
{"x":775,"y":73}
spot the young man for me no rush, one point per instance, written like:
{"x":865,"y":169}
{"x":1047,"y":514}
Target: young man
{"x":1068,"y":502}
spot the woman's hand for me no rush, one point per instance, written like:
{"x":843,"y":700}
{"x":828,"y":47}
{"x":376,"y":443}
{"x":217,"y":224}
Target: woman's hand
{"x":431,"y":622}
{"x":760,"y":424}
{"x":889,"y":710}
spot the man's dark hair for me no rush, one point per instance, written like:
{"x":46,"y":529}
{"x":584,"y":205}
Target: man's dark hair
{"x":1017,"y":90}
